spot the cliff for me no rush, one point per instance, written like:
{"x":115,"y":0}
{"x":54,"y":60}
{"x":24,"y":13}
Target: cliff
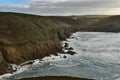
{"x":109,"y":24}
{"x":26,"y":37}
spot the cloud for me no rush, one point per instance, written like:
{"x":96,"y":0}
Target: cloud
{"x":66,"y":7}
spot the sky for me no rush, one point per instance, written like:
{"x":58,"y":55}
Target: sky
{"x":62,"y":7}
{"x":12,"y":1}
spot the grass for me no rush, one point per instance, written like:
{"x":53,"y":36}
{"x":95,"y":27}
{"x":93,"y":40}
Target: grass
{"x":109,"y":24}
{"x":18,"y":28}
{"x":21,"y":28}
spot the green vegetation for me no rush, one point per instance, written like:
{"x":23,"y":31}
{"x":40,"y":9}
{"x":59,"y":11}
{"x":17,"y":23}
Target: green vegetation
{"x":21,"y":28}
{"x":18,"y":28}
{"x":108,"y":24}
{"x":89,"y":16}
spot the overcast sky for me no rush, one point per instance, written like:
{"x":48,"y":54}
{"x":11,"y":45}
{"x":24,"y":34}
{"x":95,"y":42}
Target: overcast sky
{"x":62,"y":7}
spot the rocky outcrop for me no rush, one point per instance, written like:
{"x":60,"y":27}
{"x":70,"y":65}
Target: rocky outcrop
{"x":21,"y":53}
{"x":4,"y":67}
{"x":17,"y":54}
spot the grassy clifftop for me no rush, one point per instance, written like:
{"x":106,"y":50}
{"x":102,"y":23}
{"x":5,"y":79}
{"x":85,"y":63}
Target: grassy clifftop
{"x":21,"y":28}
{"x":18,"y":28}
{"x":109,"y":24}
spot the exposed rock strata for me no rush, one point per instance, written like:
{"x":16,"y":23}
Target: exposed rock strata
{"x":17,"y":54}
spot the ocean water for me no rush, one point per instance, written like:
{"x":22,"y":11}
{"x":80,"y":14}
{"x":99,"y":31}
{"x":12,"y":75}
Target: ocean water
{"x":98,"y":57}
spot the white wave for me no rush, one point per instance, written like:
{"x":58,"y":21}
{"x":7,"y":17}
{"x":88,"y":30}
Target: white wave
{"x":55,"y":58}
{"x":65,"y":65}
{"x":20,"y":69}
{"x":3,"y":77}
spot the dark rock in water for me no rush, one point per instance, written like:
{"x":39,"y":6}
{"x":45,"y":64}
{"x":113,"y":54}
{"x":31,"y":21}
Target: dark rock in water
{"x":66,"y":45}
{"x":64,"y":56}
{"x":71,"y":52}
{"x":72,"y":37}
{"x":55,"y":54}
{"x":70,"y":48}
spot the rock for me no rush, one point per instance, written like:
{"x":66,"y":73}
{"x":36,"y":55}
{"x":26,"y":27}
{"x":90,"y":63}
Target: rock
{"x":1,"y":59}
{"x":4,"y":67}
{"x":72,"y":37}
{"x":55,"y":54}
{"x":53,"y":58}
{"x":66,"y":45}
{"x":64,"y":56}
{"x":71,"y":52}
{"x":70,"y":48}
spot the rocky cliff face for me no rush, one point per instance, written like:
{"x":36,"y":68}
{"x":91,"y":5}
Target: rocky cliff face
{"x":28,"y":37}
{"x":18,"y":54}
{"x":21,"y":53}
{"x":47,"y":41}
{"x":4,"y":66}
